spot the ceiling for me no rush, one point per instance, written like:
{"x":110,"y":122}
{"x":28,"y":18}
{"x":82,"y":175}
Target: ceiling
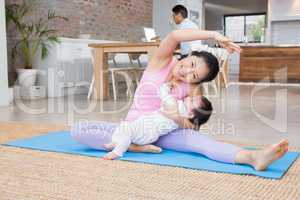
{"x":227,"y":7}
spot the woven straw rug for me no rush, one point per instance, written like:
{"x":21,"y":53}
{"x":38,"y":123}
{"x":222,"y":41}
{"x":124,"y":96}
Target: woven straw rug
{"x":28,"y":174}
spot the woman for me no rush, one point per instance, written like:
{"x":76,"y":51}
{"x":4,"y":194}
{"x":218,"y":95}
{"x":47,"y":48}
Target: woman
{"x":186,"y":75}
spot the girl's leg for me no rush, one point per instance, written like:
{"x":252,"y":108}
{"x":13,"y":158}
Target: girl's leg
{"x":188,"y":140}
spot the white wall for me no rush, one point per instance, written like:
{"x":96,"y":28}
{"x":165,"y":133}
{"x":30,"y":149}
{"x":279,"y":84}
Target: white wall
{"x":285,"y":32}
{"x":4,"y":94}
{"x":283,"y":22}
{"x":162,"y":14}
{"x":287,"y":9}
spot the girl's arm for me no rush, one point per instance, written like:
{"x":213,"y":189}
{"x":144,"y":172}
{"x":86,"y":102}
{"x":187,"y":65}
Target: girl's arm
{"x":168,"y":45}
{"x":168,"y":102}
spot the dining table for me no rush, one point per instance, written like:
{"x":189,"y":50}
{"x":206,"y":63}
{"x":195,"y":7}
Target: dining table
{"x":100,"y":61}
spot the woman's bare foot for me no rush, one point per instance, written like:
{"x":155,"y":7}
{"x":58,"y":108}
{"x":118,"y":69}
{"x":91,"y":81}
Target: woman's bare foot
{"x":151,"y":148}
{"x":145,"y":148}
{"x":263,"y":158}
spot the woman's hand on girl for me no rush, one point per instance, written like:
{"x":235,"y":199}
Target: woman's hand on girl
{"x":183,"y":122}
{"x":186,"y":123}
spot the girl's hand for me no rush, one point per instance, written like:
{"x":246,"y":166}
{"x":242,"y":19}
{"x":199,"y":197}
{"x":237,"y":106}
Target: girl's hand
{"x":227,"y":43}
{"x":172,"y":84}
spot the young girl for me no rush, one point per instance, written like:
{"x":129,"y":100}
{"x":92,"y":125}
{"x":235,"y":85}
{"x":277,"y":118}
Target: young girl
{"x":148,"y":128}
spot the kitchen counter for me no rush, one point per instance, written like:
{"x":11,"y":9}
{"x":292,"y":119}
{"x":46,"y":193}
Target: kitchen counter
{"x":265,"y":61}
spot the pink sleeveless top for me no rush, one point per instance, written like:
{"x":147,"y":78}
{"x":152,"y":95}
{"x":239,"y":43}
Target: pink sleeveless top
{"x":146,"y":97}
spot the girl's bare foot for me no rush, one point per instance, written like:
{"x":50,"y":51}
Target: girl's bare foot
{"x":110,"y":156}
{"x":263,"y":158}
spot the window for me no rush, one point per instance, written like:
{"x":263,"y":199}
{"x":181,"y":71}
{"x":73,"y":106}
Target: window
{"x":249,"y":27}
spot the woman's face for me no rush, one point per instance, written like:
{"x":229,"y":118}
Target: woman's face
{"x":191,"y":69}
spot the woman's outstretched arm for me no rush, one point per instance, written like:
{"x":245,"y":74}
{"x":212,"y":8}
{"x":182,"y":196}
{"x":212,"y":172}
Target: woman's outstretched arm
{"x":170,"y":42}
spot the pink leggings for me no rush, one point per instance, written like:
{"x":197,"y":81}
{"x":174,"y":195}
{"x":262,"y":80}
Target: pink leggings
{"x":96,"y":133}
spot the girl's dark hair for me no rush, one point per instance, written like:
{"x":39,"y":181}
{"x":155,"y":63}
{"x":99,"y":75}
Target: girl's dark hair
{"x":180,"y":9}
{"x":211,"y":61}
{"x":202,"y":114}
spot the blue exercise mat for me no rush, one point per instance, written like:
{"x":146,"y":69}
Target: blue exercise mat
{"x":63,"y":142}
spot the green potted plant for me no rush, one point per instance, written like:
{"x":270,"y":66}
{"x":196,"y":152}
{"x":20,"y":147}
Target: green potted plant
{"x":32,"y":37}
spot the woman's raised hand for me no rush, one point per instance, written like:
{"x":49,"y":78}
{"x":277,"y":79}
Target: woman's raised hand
{"x":227,"y":43}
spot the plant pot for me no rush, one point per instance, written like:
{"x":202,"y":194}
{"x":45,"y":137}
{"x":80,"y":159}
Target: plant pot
{"x":27,"y":77}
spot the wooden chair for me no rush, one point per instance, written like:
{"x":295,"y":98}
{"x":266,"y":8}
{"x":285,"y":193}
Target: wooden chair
{"x":140,"y":69}
{"x":223,"y":68}
{"x":223,"y":57}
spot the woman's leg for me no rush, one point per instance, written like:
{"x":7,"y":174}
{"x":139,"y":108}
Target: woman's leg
{"x":96,"y":134}
{"x":93,"y":133}
{"x":188,"y":140}
{"x":260,"y":159}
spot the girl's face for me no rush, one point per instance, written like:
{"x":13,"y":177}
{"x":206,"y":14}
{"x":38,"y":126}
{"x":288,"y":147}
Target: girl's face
{"x":192,"y":103}
{"x":191,"y":69}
